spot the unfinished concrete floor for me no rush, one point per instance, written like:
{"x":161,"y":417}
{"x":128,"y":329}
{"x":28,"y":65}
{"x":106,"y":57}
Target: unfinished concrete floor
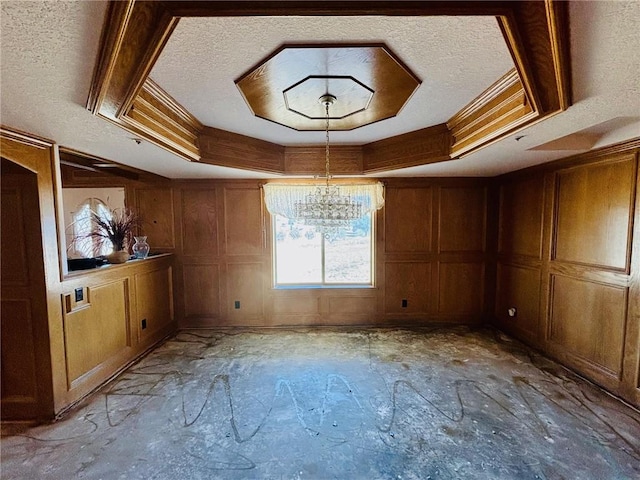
{"x":337,"y":404}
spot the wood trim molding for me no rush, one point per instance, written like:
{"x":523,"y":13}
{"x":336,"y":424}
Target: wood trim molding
{"x":428,"y":145}
{"x":578,"y":159}
{"x":310,"y":160}
{"x":135,"y":32}
{"x":106,"y":168}
{"x":219,"y":147}
{"x":161,"y":117}
{"x":113,"y":30}
{"x":133,"y":36}
{"x":25,"y":138}
{"x":495,"y":112}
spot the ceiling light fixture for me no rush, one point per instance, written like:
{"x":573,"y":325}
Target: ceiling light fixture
{"x":326,"y":208}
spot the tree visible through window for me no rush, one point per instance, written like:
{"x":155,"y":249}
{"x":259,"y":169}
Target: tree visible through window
{"x":304,"y":257}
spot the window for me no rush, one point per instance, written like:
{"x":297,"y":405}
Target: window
{"x":304,"y":257}
{"x":85,"y":245}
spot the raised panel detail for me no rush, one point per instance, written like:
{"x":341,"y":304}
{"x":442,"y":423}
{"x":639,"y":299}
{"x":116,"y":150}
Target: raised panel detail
{"x":96,"y":333}
{"x":519,"y":287}
{"x":15,"y":268}
{"x":245,"y":285}
{"x":461,"y":288}
{"x":243,"y":221}
{"x":156,"y":208}
{"x":199,"y":222}
{"x":407,"y":281}
{"x":588,"y":320}
{"x":201,"y":290}
{"x":462,"y":219}
{"x":18,"y":350}
{"x":594,"y":212}
{"x":154,"y":300}
{"x":521,"y":204}
{"x":407,"y":220}
{"x":354,"y":305}
{"x":303,"y":303}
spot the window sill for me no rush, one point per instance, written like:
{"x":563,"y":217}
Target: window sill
{"x":324,"y":287}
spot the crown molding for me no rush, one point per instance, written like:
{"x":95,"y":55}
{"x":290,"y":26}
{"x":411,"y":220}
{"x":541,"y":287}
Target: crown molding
{"x":25,"y":138}
{"x":495,"y":112}
{"x":135,"y":32}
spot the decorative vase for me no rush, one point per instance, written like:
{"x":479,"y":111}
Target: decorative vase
{"x":121,"y":256}
{"x":141,"y":247}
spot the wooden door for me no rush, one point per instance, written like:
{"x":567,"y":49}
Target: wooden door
{"x":26,"y":377}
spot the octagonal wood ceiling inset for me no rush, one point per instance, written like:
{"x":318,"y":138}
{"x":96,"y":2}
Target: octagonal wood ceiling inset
{"x":354,"y":97}
{"x":369,"y":82}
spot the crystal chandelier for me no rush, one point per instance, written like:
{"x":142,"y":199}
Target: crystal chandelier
{"x":326,"y":209}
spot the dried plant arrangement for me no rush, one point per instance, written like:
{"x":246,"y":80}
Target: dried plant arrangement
{"x":118,"y":229}
{"x":114,"y":226}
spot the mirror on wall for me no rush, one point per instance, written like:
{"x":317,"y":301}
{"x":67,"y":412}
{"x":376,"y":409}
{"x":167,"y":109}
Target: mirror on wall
{"x":77,"y":205}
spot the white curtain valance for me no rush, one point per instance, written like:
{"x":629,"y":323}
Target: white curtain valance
{"x":280,"y":198}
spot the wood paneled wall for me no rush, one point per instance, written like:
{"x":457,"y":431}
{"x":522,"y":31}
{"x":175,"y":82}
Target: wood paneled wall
{"x":105,"y":330}
{"x":568,"y":261}
{"x":55,"y":349}
{"x":431,"y":250}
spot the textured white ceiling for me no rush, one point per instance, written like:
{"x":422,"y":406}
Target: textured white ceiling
{"x":48,"y":50}
{"x":456,"y":58}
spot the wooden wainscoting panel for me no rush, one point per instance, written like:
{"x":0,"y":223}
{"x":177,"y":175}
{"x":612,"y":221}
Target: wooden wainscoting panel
{"x":407,"y":219}
{"x":462,"y":219}
{"x":154,"y":301}
{"x":155,"y":205}
{"x":301,"y":302}
{"x":99,"y":331}
{"x":201,"y":285}
{"x":588,"y":320}
{"x":245,"y":284}
{"x":352,"y":305}
{"x":519,"y":287}
{"x":409,"y":281}
{"x":461,"y":289}
{"x":243,"y":221}
{"x":199,"y":222}
{"x":520,"y":223}
{"x":594,"y":214}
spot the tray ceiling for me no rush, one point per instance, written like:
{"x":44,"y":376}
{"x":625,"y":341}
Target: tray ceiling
{"x":456,"y":58}
{"x":49,"y":49}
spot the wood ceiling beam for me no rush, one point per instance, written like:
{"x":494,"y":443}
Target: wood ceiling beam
{"x":135,"y":32}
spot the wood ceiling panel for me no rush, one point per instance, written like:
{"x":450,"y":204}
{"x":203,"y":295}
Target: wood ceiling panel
{"x":536,"y":34}
{"x":369,"y":82}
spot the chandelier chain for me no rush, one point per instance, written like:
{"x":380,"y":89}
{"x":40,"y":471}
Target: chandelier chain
{"x":327,"y":209}
{"x":326,"y":150}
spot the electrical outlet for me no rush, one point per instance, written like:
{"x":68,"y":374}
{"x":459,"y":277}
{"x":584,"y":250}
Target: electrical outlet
{"x":404,"y":303}
{"x":144,"y":323}
{"x":237,"y":304}
{"x":512,"y":311}
{"x":79,"y":294}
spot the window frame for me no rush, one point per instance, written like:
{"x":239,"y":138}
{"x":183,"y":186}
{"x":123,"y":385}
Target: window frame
{"x":323,"y":284}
